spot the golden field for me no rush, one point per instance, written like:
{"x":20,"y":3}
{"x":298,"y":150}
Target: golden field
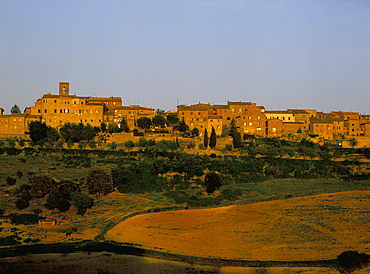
{"x":307,"y":228}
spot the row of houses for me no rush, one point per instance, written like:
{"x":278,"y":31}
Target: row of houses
{"x":249,"y":118}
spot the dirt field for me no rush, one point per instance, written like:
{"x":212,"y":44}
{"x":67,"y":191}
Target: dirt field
{"x":307,"y":228}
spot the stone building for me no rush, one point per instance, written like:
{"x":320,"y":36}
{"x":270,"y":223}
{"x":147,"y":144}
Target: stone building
{"x":16,"y":124}
{"x":131,"y":114}
{"x":56,"y":110}
{"x":249,"y":118}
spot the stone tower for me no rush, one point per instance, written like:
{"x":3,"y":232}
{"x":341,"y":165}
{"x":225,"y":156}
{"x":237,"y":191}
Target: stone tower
{"x":64,"y":88}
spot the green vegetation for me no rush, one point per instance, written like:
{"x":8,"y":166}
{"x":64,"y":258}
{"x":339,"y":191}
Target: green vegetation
{"x":153,"y":175}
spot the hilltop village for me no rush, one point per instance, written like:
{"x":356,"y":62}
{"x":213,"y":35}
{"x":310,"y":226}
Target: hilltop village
{"x":250,"y":119}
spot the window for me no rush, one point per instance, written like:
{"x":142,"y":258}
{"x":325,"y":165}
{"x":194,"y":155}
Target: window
{"x":61,"y":110}
{"x":45,"y":110}
{"x":55,"y":111}
{"x":55,"y":101}
{"x":39,"y":111}
{"x":250,"y":124}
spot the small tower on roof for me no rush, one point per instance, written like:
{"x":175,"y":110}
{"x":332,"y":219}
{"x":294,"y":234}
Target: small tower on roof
{"x":63,"y":88}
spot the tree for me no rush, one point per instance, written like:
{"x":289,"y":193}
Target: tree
{"x":237,"y":139}
{"x":232,"y":129}
{"x":21,"y":203}
{"x":10,"y":181}
{"x":66,"y":187}
{"x":212,"y":181}
{"x":41,"y":185}
{"x":144,"y":122}
{"x":113,"y":128}
{"x":182,"y":127}
{"x":52,"y":200}
{"x":195,"y":132}
{"x":15,"y":109}
{"x":353,"y":142}
{"x":38,"y":131}
{"x":172,"y":119}
{"x":52,"y":134}
{"x":112,"y":146}
{"x":225,"y":131}
{"x":124,"y":125}
{"x":129,"y":144}
{"x":77,"y":132}
{"x":81,"y":201}
{"x":91,"y":143}
{"x":99,"y":181}
{"x":160,"y":111}
{"x":212,"y":139}
{"x":103,"y":127}
{"x":159,"y":121}
{"x":205,"y":138}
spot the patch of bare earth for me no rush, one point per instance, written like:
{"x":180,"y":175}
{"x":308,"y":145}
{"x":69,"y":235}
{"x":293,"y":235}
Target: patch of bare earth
{"x":310,"y":228}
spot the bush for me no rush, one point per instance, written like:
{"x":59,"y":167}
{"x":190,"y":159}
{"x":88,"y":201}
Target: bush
{"x":41,"y":185}
{"x":21,"y":203}
{"x":352,"y":259}
{"x":99,"y":181}
{"x":81,"y":201}
{"x":23,"y":219}
{"x":129,"y":144}
{"x":10,"y":240}
{"x":10,"y":181}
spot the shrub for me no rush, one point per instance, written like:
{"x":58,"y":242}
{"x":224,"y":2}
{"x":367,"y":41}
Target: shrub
{"x":351,"y":259}
{"x":81,"y":201}
{"x":129,"y":144}
{"x":99,"y":181}
{"x":21,"y":203}
{"x":41,"y":185}
{"x":212,"y":182}
{"x":23,"y":219}
{"x":25,"y":195}
{"x":113,"y":145}
{"x":10,"y":240}
{"x":10,"y":181}
{"x":19,"y":174}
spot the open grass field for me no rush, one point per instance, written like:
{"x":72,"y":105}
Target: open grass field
{"x":307,"y":228}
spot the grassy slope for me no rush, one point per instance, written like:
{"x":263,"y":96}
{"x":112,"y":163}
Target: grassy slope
{"x":113,"y":208}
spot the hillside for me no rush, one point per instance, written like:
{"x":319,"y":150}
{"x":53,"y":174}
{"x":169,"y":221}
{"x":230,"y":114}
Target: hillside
{"x":306,"y":228}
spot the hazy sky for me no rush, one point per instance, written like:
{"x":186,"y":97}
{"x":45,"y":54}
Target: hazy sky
{"x":277,"y":53}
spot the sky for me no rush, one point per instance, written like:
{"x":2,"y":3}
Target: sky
{"x":280,"y":54}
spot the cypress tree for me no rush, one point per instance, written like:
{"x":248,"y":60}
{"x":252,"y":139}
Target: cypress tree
{"x":237,"y":140}
{"x":212,"y":139}
{"x":205,"y":140}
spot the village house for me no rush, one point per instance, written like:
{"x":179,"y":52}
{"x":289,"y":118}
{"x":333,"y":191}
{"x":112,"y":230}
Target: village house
{"x":249,"y":118}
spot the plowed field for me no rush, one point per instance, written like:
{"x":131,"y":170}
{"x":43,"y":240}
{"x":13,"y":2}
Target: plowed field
{"x":307,"y":228}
